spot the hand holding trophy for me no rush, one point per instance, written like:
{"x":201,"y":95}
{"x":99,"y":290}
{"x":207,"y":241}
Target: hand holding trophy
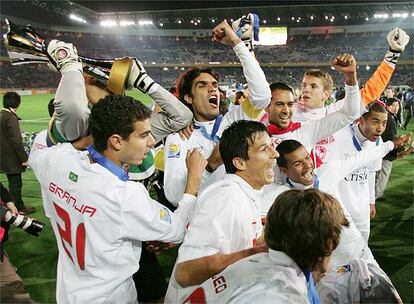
{"x":25,"y":45}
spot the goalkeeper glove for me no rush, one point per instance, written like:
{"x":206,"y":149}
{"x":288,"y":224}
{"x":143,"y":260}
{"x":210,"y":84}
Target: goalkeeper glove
{"x":397,"y":40}
{"x":138,"y":78}
{"x":247,"y":28}
{"x":63,"y":56}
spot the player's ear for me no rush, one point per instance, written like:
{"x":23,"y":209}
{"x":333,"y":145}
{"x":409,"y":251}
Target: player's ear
{"x":239,"y":163}
{"x":327,"y":94}
{"x":115,"y":142}
{"x":188,"y":99}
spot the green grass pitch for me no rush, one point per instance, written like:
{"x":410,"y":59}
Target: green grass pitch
{"x":35,"y":258}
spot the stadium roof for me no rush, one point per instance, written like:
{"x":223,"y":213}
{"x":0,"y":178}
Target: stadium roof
{"x":203,"y":14}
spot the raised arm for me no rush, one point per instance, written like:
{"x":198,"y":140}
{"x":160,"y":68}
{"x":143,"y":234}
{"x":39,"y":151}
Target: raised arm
{"x":397,"y":40}
{"x":259,"y":91}
{"x":377,"y":83}
{"x":71,"y":102}
{"x":315,"y":130}
{"x":174,"y":115}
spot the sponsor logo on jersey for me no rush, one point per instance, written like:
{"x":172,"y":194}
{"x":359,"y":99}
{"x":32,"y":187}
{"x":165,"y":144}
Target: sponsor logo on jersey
{"x":165,"y":215}
{"x":360,"y":176}
{"x":73,"y":177}
{"x":174,"y":151}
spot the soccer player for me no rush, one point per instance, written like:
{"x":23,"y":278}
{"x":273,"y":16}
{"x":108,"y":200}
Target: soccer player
{"x":198,"y":89}
{"x":357,"y":190}
{"x":99,"y":217}
{"x":303,"y":228}
{"x":226,"y":218}
{"x":295,"y":162}
{"x":281,"y":109}
{"x":70,"y":120}
{"x":316,"y":88}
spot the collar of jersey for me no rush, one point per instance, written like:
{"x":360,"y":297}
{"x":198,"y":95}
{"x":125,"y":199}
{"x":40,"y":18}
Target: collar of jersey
{"x":294,"y":185}
{"x":281,"y":258}
{"x":361,"y":138}
{"x":108,"y":164}
{"x":252,"y":193}
{"x":312,"y":112}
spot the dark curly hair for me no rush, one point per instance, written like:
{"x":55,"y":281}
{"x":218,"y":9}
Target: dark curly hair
{"x":185,"y":82}
{"x":11,"y":100}
{"x":115,"y":114}
{"x":306,"y":225}
{"x":236,"y":139}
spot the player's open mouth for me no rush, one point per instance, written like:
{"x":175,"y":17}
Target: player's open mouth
{"x":308,"y":175}
{"x":213,"y":100}
{"x":284,"y":118}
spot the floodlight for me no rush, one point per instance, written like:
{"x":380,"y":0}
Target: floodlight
{"x":77,"y":18}
{"x":126,"y":23}
{"x":108,"y":23}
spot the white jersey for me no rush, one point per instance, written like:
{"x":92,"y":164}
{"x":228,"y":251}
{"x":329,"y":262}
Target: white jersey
{"x":99,"y":222}
{"x":226,"y":219}
{"x":352,"y":245}
{"x":271,"y":277}
{"x":325,"y":150}
{"x":355,"y":187}
{"x":303,"y":114}
{"x":310,"y":132}
{"x":175,"y":172}
{"x":175,"y":155}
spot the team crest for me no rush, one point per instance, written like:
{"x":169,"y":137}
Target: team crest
{"x":343,"y":269}
{"x":165,"y":215}
{"x":174,"y":151}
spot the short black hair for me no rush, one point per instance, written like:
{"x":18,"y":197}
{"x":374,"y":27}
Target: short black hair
{"x":11,"y":100}
{"x":115,"y":114}
{"x":286,"y":147}
{"x":280,"y":86}
{"x":235,"y":141}
{"x":185,"y":82}
{"x":374,"y":107}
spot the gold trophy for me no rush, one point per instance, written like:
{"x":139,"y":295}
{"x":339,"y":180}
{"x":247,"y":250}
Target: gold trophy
{"x":25,"y":45}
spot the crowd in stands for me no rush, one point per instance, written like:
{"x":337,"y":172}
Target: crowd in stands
{"x":190,"y":51}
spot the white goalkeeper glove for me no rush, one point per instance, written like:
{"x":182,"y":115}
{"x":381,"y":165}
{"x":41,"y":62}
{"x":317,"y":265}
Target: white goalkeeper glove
{"x":138,"y":78}
{"x":247,"y":28}
{"x":397,"y":39}
{"x":63,"y":56}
